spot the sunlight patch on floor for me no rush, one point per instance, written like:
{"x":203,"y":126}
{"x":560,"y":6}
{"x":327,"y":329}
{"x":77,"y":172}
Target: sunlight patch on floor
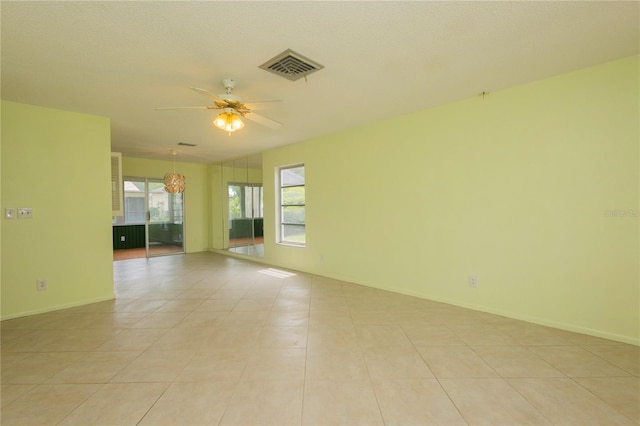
{"x":277,"y":273}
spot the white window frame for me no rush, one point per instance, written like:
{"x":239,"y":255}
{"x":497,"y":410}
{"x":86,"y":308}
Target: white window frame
{"x":279,"y":225}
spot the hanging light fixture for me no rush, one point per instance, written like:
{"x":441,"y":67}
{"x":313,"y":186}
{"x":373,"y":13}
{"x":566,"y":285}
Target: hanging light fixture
{"x":174,"y":182}
{"x":228,"y":121}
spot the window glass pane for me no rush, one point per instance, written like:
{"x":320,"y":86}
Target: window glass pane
{"x":293,"y":195}
{"x":257,"y":201}
{"x":159,"y":203}
{"x":292,"y":176}
{"x":176,"y":208}
{"x":248,"y":201}
{"x":294,"y":234}
{"x":235,"y":207}
{"x":134,"y":207}
{"x":293,"y":214}
{"x":292,"y":205}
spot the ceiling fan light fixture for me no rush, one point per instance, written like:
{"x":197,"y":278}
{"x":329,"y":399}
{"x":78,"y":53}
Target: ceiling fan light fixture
{"x":228,"y":121}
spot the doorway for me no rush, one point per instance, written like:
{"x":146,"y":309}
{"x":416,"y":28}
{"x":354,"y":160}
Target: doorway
{"x":153,"y":221}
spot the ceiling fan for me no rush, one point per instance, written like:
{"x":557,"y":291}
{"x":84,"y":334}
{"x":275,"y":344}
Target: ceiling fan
{"x":232,"y":107}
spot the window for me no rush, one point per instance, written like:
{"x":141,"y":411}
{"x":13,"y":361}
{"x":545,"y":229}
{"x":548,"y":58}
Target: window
{"x":134,"y":203}
{"x":292,"y":205}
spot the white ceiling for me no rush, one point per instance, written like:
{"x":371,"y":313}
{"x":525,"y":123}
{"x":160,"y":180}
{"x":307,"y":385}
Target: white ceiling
{"x":382,"y":59}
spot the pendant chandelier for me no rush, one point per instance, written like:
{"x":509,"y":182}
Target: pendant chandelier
{"x":174,"y":182}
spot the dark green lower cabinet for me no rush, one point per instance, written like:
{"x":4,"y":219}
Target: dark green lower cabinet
{"x":128,"y":236}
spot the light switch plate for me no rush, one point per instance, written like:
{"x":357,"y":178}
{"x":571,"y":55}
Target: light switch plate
{"x":25,"y":213}
{"x":9,"y":213}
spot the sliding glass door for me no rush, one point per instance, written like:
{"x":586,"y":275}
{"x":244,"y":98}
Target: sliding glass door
{"x":164,"y":222}
{"x":152,"y":223}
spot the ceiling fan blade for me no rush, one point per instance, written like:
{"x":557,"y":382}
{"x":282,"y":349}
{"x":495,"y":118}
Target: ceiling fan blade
{"x":204,"y":92}
{"x":272,"y":124}
{"x":190,"y":107}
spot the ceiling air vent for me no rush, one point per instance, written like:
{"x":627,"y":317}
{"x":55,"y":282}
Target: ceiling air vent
{"x":186,"y":144}
{"x":291,"y":65}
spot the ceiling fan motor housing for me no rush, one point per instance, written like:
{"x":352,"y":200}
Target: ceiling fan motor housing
{"x":229,"y":84}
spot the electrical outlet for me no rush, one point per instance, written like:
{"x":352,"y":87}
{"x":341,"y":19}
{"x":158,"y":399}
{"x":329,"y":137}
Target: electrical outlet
{"x":41,"y":284}
{"x":473,"y":281}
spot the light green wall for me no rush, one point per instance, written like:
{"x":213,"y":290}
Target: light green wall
{"x":514,"y":188}
{"x":196,"y":195}
{"x":59,"y":164}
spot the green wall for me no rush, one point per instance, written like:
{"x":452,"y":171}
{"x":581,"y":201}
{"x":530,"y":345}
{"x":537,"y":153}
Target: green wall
{"x":533,"y":189}
{"x":196,"y":195}
{"x":68,"y":240}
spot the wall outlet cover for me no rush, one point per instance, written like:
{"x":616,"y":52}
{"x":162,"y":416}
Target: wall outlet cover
{"x":41,"y":284}
{"x":473,"y":281}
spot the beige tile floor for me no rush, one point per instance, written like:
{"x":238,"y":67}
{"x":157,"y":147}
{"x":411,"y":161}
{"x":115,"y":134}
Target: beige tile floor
{"x":204,"y":339}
